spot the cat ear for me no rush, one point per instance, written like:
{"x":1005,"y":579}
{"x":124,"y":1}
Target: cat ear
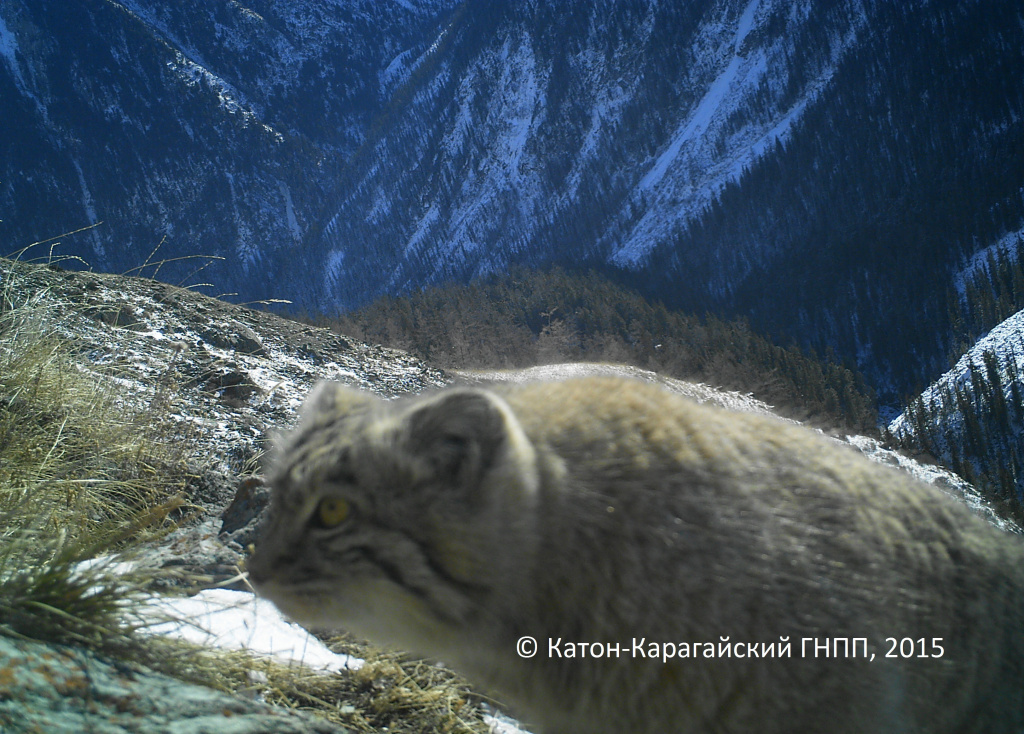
{"x":329,"y":400}
{"x":326,"y":404}
{"x":460,"y":433}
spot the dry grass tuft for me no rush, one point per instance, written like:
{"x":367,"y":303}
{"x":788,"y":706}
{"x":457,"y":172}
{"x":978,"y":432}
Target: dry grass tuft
{"x":89,"y":475}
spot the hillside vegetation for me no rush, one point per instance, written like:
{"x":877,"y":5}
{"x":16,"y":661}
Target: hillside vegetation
{"x":972,"y":418}
{"x":527,"y":318}
{"x":94,"y":478}
{"x":83,"y":473}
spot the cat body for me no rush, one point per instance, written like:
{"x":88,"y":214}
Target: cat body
{"x":739,"y":573}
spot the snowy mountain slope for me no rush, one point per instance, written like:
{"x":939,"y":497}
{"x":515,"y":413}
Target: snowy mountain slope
{"x":212,"y":127}
{"x":979,"y":262}
{"x":818,"y":168}
{"x":972,"y":418}
{"x":710,"y":149}
{"x":553,"y":134}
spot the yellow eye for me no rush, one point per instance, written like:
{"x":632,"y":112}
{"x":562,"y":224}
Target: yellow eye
{"x":332,"y":511}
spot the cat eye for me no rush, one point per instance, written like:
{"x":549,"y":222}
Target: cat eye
{"x":332,"y":511}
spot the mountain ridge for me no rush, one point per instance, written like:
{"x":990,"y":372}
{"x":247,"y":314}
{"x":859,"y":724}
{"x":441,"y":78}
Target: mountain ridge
{"x":820,"y":170}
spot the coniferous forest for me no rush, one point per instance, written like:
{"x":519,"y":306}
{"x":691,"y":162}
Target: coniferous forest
{"x":541,"y":317}
{"x":972,"y":419}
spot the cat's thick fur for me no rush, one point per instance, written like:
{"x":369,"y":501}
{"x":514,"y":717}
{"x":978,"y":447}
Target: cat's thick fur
{"x":604,"y":510}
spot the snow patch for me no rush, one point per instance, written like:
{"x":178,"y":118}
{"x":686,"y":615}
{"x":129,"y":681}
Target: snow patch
{"x":705,"y":110}
{"x":426,"y":222}
{"x":605,"y":114}
{"x":239,"y":620}
{"x":521,"y":105}
{"x":455,"y":139}
{"x":194,"y":74}
{"x":334,"y":267}
{"x":746,"y":24}
{"x":498,"y":723}
{"x":89,"y":204}
{"x":396,"y":72}
{"x":9,"y":53}
{"x":293,"y":222}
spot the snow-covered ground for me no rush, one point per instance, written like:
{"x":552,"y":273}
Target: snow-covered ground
{"x":239,"y":620}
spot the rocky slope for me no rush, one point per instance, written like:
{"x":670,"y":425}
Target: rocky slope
{"x":225,"y":377}
{"x":62,"y":690}
{"x":227,"y":373}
